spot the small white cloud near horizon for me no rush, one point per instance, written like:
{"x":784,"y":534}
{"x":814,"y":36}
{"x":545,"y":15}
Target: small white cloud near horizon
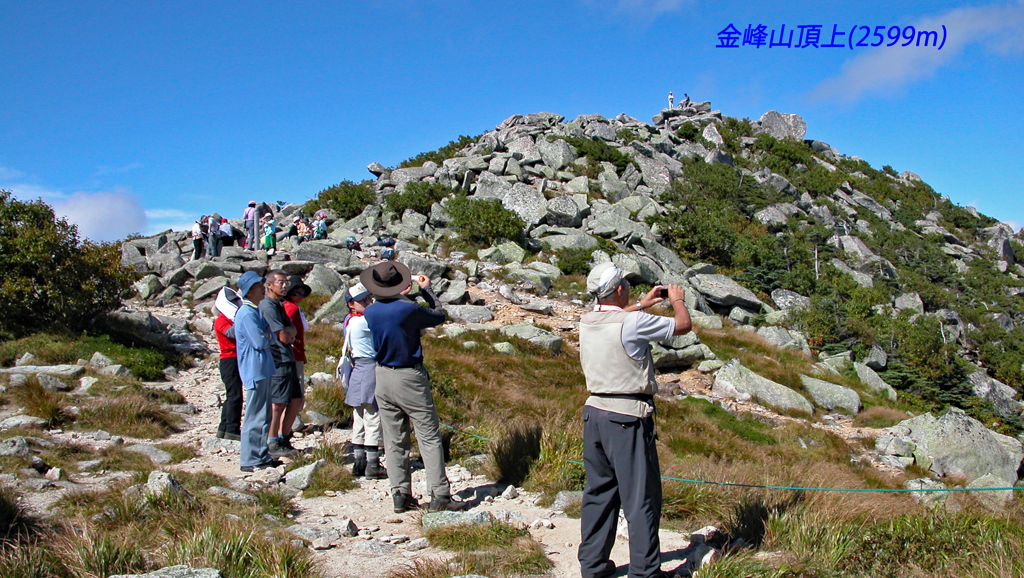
{"x":9,"y":174}
{"x":107,"y":170}
{"x":103,"y":215}
{"x":997,"y":28}
{"x":163,"y":219}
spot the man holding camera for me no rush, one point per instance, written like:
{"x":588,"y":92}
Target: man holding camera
{"x":619,"y":453}
{"x":404,"y":399}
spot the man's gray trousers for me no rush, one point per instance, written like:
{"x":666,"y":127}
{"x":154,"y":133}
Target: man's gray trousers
{"x":405,"y":404}
{"x":256,"y":425}
{"x":621,"y":463}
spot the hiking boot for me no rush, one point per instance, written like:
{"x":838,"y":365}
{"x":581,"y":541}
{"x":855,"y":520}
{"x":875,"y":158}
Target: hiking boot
{"x":265,"y":465}
{"x":404,"y":502}
{"x":375,"y":471}
{"x":445,"y":504}
{"x":276,"y":450}
{"x":359,"y":468}
{"x":286,"y":443}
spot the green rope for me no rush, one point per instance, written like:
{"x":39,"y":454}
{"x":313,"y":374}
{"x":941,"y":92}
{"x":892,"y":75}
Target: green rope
{"x":793,"y":488}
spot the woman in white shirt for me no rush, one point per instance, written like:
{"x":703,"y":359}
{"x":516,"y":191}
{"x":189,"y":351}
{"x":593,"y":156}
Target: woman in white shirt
{"x":360,"y":380}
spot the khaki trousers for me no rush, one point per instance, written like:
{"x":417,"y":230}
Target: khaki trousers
{"x":406,"y":404}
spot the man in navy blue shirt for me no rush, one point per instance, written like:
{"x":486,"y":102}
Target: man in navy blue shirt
{"x":403,"y":385}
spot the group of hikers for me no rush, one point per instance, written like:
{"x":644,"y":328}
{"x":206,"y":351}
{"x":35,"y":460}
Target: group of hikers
{"x":213,"y":232}
{"x":261,"y":331}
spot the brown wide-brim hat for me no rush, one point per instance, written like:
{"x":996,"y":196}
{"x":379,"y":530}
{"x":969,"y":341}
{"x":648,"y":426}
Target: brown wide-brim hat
{"x":386,"y":279}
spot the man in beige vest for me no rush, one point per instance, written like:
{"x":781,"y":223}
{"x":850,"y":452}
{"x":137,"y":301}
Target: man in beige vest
{"x":619,"y":452}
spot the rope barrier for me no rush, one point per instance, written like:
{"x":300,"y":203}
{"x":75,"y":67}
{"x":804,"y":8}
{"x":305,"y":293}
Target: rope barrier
{"x":792,"y":488}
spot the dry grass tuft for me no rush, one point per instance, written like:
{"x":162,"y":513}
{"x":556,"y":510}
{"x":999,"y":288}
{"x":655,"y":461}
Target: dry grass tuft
{"x":43,"y":403}
{"x":514,"y":452}
{"x":130,"y":415}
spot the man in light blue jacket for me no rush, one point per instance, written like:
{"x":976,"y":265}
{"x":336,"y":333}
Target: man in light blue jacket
{"x":256,"y":366}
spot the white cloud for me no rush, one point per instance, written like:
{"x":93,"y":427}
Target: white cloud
{"x":9,"y":174}
{"x":30,"y":192}
{"x":107,"y":170}
{"x":103,"y":215}
{"x":997,"y":28}
{"x":163,"y":219}
{"x":166,"y":214}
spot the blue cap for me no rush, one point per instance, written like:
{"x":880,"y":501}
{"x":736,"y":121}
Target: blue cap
{"x":246,"y":281}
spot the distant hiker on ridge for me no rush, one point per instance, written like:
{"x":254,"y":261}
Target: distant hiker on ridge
{"x":250,"y":226}
{"x":685,"y":102}
{"x":671,"y":100}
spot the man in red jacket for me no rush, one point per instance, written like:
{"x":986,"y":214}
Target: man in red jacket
{"x":230,"y":427}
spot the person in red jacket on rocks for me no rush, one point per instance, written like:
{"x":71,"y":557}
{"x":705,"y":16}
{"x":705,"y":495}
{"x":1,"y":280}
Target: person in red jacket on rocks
{"x":230,"y":427}
{"x":297,"y":291}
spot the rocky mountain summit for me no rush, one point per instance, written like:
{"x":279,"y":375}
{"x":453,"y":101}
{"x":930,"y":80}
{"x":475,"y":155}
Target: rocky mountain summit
{"x":612,"y":206}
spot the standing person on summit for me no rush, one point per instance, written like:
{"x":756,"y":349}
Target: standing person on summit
{"x":671,"y":100}
{"x":212,"y":237}
{"x":249,"y":216}
{"x":197,"y":239}
{"x":619,"y":453}
{"x":284,"y":387}
{"x":256,"y":367}
{"x":403,"y":385}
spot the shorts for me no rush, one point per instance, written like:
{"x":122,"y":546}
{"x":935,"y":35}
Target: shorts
{"x":284,"y":386}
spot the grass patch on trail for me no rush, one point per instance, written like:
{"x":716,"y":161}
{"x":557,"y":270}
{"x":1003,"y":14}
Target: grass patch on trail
{"x":146,"y":362}
{"x":332,"y":476}
{"x":496,"y":549}
{"x":179,"y":452}
{"x":129,"y":415}
{"x":879,"y":417}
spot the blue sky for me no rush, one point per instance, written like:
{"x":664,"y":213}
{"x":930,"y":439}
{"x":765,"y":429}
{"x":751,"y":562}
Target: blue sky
{"x":139,"y":116}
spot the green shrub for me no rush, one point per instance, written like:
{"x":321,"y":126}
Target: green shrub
{"x":574,"y":261}
{"x":598,"y":151}
{"x":446,"y":152}
{"x":346,"y":198}
{"x":50,"y":277}
{"x":418,"y":196}
{"x":689,"y":131}
{"x":483,"y":220}
{"x":626,"y":135}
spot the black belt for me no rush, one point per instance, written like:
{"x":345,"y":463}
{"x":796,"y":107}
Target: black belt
{"x":399,"y":366}
{"x":633,"y":396}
